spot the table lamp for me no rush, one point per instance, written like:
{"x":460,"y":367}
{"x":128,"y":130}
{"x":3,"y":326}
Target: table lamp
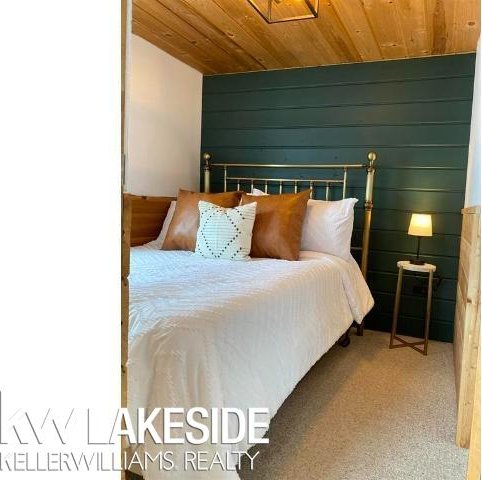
{"x":420,"y":226}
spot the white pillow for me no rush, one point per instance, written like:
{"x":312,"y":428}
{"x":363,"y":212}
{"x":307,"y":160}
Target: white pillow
{"x":256,"y":192}
{"x":328,"y":227}
{"x":157,"y":243}
{"x":225,"y":232}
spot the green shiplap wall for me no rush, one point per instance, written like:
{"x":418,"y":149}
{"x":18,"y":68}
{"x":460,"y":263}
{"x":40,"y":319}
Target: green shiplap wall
{"x":414,"y":113}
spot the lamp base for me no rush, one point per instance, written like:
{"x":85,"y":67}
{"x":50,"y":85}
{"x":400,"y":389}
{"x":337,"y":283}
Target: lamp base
{"x":417,"y":261}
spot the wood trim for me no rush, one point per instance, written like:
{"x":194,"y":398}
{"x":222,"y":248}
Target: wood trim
{"x":467,"y":323}
{"x":475,"y":209}
{"x":125,"y":259}
{"x":473,"y":470}
{"x":125,"y":215}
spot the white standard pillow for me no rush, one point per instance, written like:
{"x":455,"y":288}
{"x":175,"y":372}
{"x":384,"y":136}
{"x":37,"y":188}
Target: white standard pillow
{"x":225,"y":232}
{"x":157,"y":243}
{"x":328,"y":227}
{"x":256,"y":192}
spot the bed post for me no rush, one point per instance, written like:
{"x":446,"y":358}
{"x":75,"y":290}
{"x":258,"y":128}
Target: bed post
{"x":207,"y":172}
{"x":367,"y":220}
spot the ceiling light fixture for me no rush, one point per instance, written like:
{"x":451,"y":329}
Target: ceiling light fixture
{"x":275,"y":11}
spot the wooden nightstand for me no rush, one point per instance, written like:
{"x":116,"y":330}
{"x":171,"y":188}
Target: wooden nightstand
{"x":426,"y":268}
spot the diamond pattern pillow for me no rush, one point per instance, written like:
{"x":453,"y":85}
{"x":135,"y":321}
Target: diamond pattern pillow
{"x":225,"y":232}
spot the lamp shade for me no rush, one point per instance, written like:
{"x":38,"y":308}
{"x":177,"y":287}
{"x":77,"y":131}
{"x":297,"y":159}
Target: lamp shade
{"x":420,"y":225}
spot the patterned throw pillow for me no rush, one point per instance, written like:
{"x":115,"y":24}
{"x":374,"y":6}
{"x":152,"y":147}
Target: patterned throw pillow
{"x":225,"y":232}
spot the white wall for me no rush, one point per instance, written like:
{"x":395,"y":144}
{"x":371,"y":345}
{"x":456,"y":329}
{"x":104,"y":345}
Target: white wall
{"x":472,"y":192}
{"x":164,"y":126}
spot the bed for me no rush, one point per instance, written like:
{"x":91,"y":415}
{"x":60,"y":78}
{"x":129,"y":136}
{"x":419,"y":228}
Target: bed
{"x":203,"y":333}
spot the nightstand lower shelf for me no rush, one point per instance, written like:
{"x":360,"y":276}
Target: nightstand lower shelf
{"x":404,"y":343}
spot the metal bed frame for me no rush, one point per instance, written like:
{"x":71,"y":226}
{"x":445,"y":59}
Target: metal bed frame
{"x":311,"y":183}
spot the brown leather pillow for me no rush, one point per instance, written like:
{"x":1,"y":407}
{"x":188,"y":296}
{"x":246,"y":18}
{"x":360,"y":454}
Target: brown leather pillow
{"x":182,"y":231}
{"x":278,"y":224}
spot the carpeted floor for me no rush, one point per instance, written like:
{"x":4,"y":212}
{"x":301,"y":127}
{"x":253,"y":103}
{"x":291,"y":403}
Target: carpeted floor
{"x":366,"y":413}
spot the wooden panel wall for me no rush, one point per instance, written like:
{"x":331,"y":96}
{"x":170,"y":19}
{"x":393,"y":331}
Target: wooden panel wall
{"x":414,"y":113}
{"x":467,"y":323}
{"x":147,"y":215}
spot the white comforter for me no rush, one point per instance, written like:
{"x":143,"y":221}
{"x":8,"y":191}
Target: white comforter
{"x":221,"y":333}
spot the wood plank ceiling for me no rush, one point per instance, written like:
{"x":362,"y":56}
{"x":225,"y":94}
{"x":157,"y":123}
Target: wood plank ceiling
{"x":224,"y":36}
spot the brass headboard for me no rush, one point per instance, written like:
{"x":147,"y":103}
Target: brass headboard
{"x":296,"y":182}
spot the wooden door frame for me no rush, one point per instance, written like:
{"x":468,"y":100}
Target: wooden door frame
{"x":126,"y":16}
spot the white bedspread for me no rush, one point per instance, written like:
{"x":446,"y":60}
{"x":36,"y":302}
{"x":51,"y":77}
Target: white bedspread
{"x":221,"y":333}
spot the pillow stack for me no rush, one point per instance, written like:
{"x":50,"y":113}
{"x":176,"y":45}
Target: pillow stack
{"x":236,"y":225}
{"x":327,"y":226}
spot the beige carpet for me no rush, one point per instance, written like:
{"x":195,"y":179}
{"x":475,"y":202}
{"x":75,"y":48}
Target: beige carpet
{"x":366,"y":413}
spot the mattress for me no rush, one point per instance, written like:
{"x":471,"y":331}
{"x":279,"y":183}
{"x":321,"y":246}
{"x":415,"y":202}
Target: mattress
{"x":239,"y":334}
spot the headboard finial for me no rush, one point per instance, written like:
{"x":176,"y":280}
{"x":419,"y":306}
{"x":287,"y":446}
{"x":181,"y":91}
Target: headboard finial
{"x":372,"y":156}
{"x":206,"y":157}
{"x":207,"y":172}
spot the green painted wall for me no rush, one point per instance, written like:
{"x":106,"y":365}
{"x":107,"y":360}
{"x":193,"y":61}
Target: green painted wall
{"x":414,"y":113}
